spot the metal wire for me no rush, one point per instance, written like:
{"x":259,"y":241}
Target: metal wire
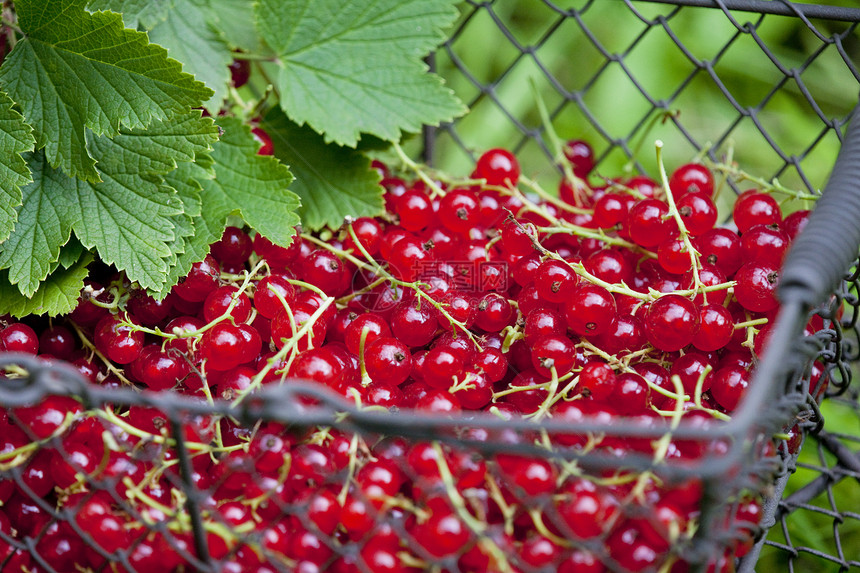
{"x":781,"y":397}
{"x":579,"y":28}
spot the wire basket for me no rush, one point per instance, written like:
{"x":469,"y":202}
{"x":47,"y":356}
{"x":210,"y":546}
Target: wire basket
{"x":295,"y":478}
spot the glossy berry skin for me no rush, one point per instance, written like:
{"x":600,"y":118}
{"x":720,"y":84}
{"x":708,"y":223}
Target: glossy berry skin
{"x":766,"y":244}
{"x":553,"y":351}
{"x":542,"y":322}
{"x":459,"y":210}
{"x":752,"y":208}
{"x":721,"y":248}
{"x":369,"y":234}
{"x":626,"y":334}
{"x":691,"y":178}
{"x":266,"y":299}
{"x":698,"y":212}
{"x":264,"y":141}
{"x":648,"y":224}
{"x":673,"y":256}
{"x":499,"y":167}
{"x":599,"y":378}
{"x":201,"y":280}
{"x":118,"y":341}
{"x":716,"y":328}
{"x":581,"y":157}
{"x":728,"y":386}
{"x":279,"y":258}
{"x":590,"y":310}
{"x":518,"y":239}
{"x":609,"y":265}
{"x":414,"y":323}
{"x":375,"y":327}
{"x":793,"y":224}
{"x":756,"y":288}
{"x":388,"y":361}
{"x":671,"y":322}
{"x":220,"y":299}
{"x":611,"y":209}
{"x":221,"y":346}
{"x":19,"y":337}
{"x":494,"y":312}
{"x":555,"y":280}
{"x":414,"y":210}
{"x":234,"y":248}
{"x":57,"y":340}
{"x":325,"y":270}
{"x":282,"y":327}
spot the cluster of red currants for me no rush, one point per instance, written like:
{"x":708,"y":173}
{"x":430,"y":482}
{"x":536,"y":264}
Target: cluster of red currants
{"x":613,"y":301}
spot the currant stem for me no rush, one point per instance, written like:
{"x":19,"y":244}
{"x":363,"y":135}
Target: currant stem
{"x":695,"y":263}
{"x":417,"y":169}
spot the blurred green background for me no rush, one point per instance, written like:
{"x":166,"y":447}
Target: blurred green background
{"x":612,"y":75}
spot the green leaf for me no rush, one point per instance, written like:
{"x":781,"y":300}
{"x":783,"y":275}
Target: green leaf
{"x":250,"y":185}
{"x":75,"y":71}
{"x":190,"y":34}
{"x":128,"y":219}
{"x":238,"y":24}
{"x":15,"y":138}
{"x":332,"y":181}
{"x":70,"y":253}
{"x":57,"y":295}
{"x":193,"y":247}
{"x":158,"y":149}
{"x":355,"y":67}
{"x":135,"y":13}
{"x":44,"y":225}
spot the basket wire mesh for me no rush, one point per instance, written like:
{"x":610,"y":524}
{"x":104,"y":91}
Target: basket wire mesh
{"x":171,"y":516}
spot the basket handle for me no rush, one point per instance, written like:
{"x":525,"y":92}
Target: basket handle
{"x":828,"y":244}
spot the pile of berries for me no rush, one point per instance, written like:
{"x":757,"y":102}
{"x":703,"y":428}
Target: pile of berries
{"x":612,"y":301}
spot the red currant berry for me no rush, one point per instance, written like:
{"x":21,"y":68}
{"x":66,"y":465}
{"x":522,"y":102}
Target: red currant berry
{"x":370,"y":323}
{"x":553,"y":351}
{"x":263,"y":140}
{"x":220,"y":299}
{"x":648,"y":223}
{"x":494,"y":312}
{"x":18,"y":337}
{"x":581,"y":157}
{"x":721,"y":248}
{"x":691,"y":178}
{"x":118,"y":341}
{"x":278,"y":257}
{"x":518,"y":239}
{"x":498,"y":167}
{"x":671,"y":322}
{"x":459,"y":210}
{"x":794,"y":223}
{"x":233,"y":248}
{"x":555,"y":280}
{"x":753,"y":208}
{"x":766,"y":244}
{"x":590,"y":310}
{"x":369,"y":234}
{"x":414,"y":210}
{"x":414,"y":323}
{"x":201,"y":280}
{"x":756,"y":287}
{"x":698,"y":212}
{"x":716,"y":328}
{"x":728,"y":385}
{"x":388,"y":361}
